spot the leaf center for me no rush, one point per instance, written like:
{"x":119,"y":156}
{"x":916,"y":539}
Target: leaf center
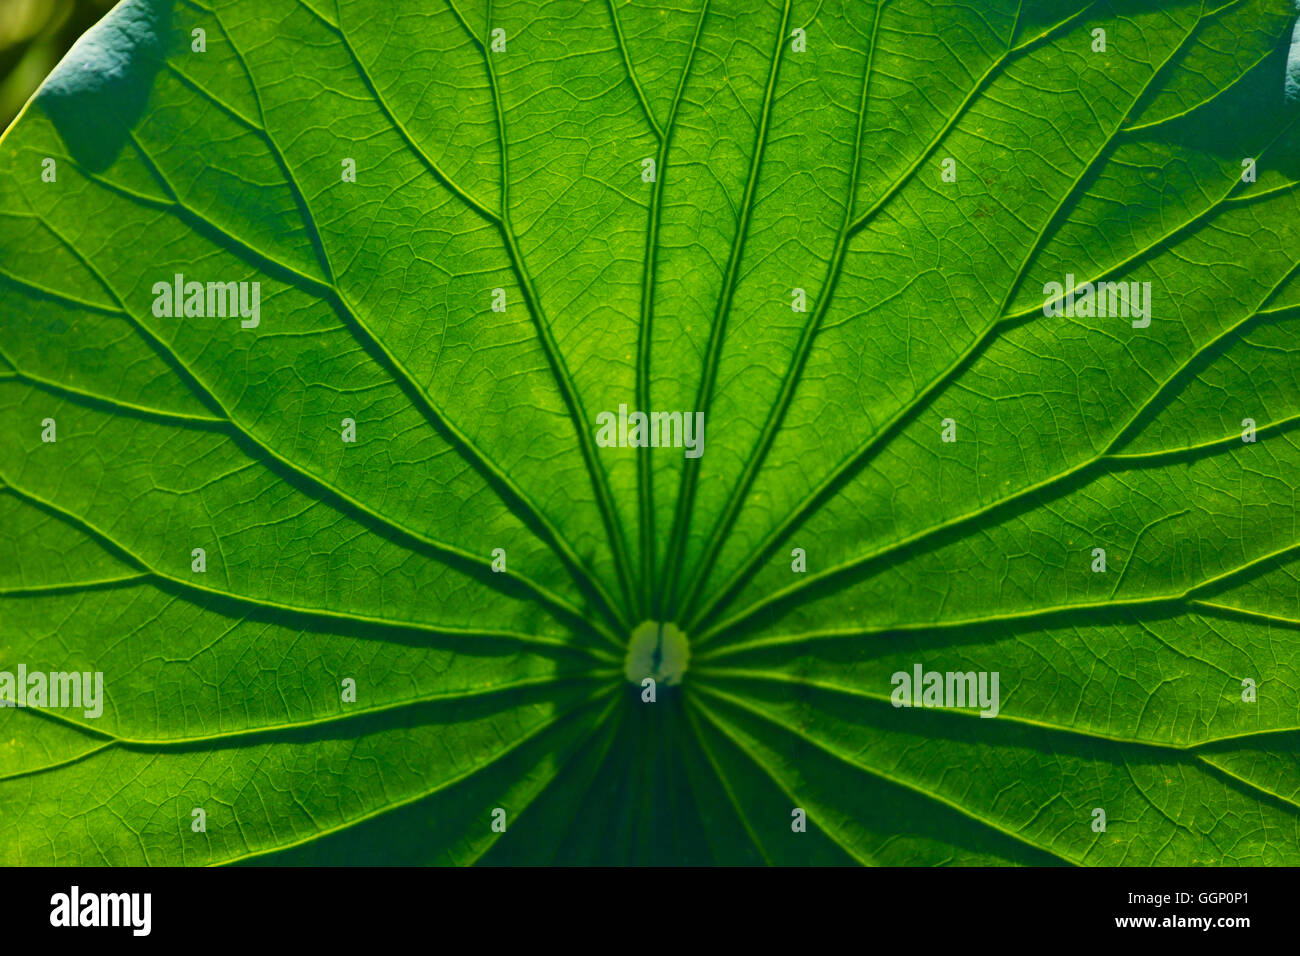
{"x":658,"y":650}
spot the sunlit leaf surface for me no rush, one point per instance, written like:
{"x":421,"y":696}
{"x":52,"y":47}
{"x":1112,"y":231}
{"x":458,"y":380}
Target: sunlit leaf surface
{"x":477,"y":232}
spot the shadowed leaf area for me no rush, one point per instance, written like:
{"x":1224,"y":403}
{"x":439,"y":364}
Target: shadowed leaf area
{"x":325,"y":330}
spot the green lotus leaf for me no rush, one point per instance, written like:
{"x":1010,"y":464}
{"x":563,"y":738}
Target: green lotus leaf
{"x":802,"y":432}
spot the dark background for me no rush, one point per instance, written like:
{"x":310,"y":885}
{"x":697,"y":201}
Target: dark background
{"x":34,"y":35}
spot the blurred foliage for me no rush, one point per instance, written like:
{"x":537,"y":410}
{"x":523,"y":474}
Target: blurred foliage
{"x":34,"y":35}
